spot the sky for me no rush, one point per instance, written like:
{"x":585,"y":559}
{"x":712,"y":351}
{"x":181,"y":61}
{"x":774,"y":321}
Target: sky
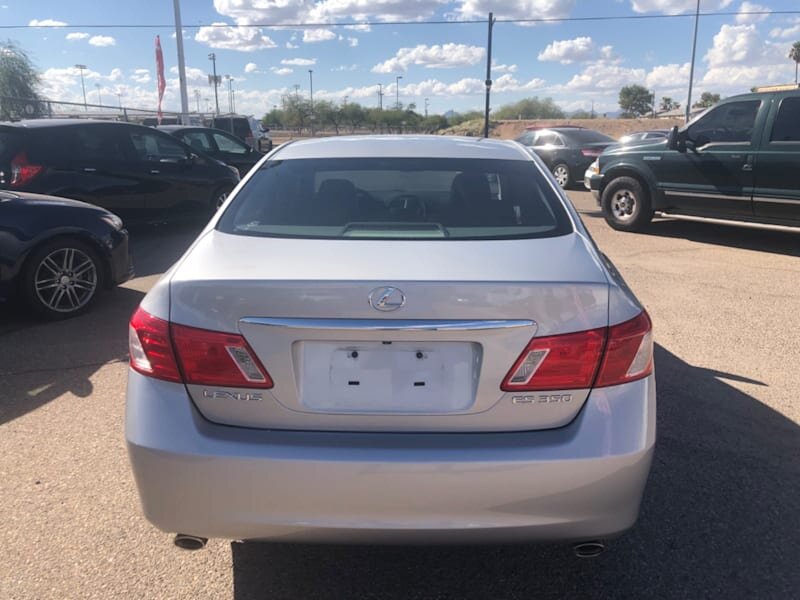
{"x":579,"y":64}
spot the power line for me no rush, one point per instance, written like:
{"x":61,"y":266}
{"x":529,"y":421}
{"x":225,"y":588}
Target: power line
{"x":398,"y":23}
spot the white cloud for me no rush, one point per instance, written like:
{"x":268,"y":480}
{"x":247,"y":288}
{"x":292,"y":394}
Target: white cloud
{"x":786,"y":33}
{"x":282,"y":70}
{"x":432,"y":57}
{"x":283,"y":12}
{"x":141,"y":76}
{"x":185,"y":33}
{"x":102,"y":41}
{"x":676,"y":7}
{"x":299,"y":62}
{"x":77,"y":35}
{"x":243,"y":39}
{"x":352,"y":42}
{"x":193,"y":74}
{"x":45,"y":23}
{"x":503,"y":68}
{"x":580,"y":49}
{"x":749,"y":7}
{"x":250,"y":67}
{"x":668,"y":80}
{"x":601,"y":76}
{"x":516,"y":9}
{"x":314,"y":36}
{"x":115,"y":75}
{"x":466,"y":86}
{"x":291,"y":46}
{"x":734,"y":44}
{"x":362,"y":27}
{"x":342,"y":68}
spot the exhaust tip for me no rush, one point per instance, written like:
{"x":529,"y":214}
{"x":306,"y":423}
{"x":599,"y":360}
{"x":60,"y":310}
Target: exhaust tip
{"x":190,"y":542}
{"x":589,"y":549}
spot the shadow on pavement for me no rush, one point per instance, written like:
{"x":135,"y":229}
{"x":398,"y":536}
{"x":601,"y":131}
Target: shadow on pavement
{"x":719,"y":520}
{"x":43,"y":360}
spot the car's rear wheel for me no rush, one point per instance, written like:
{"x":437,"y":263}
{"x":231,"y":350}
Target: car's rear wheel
{"x":219,"y":197}
{"x":561,"y":173}
{"x":61,"y":278}
{"x":626,"y":204}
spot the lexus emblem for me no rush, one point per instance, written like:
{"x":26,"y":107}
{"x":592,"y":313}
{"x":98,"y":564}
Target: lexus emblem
{"x":387,"y":299}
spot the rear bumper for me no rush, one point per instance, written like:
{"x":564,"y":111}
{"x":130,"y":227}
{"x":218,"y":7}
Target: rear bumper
{"x":582,"y":481}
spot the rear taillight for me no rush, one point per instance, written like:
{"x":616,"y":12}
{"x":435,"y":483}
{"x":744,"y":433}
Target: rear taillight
{"x":591,"y":151}
{"x":22,"y":171}
{"x":558,"y":362}
{"x":151,"y":347}
{"x":603,"y":357}
{"x":629,"y":352}
{"x":185,"y":354}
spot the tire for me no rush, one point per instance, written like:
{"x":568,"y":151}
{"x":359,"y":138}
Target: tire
{"x":218,"y":197}
{"x":626,"y":204}
{"x":562,"y":175}
{"x":62,"y":278}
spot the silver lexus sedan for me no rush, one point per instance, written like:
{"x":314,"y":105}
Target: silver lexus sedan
{"x":392,"y":339}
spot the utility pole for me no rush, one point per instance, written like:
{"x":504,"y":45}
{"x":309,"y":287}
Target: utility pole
{"x":181,"y":63}
{"x":311,"y":93}
{"x":397,"y":91}
{"x":426,"y":108}
{"x":297,"y":91}
{"x":230,"y":93}
{"x":99,"y":97}
{"x":197,"y":99}
{"x":213,"y":58}
{"x":488,"y":81}
{"x":119,"y":99}
{"x":81,"y":68}
{"x":380,"y":94}
{"x":691,"y":69}
{"x":654,"y":104}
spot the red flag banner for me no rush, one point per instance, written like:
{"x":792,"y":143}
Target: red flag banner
{"x":162,"y":83}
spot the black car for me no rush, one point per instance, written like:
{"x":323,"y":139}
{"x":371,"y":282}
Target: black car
{"x":218,"y":144}
{"x":567,"y":151}
{"x":56,"y":254}
{"x":136,"y":172}
{"x":737,"y":162}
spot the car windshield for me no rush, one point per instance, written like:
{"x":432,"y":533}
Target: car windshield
{"x":397,"y":198}
{"x":587,"y":136}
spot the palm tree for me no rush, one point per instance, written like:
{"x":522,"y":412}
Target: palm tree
{"x":794,"y":54}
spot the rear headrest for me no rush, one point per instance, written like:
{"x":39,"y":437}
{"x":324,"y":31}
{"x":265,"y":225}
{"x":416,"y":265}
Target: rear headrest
{"x":470,"y":188}
{"x":336,"y":189}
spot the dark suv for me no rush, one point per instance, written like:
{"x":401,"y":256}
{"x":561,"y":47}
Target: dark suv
{"x":134,"y":171}
{"x":738,"y":161}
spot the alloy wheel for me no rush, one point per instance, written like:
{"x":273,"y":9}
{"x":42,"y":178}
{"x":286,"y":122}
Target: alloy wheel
{"x":562,"y":175}
{"x":66,"y":280}
{"x":623,"y":205}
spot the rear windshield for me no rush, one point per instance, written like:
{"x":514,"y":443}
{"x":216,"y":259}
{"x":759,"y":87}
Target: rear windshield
{"x":587,"y":136}
{"x":397,"y":198}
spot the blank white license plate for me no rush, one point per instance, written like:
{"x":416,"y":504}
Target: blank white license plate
{"x":396,"y":377}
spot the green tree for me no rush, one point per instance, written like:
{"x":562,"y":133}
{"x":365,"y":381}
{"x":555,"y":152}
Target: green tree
{"x":458,"y":118}
{"x":707,"y":99}
{"x":296,"y":111}
{"x":794,"y":54}
{"x":354,"y":115}
{"x":668,"y":103}
{"x":581,"y":114}
{"x":18,"y":83}
{"x":530,"y":108}
{"x":635,"y":100}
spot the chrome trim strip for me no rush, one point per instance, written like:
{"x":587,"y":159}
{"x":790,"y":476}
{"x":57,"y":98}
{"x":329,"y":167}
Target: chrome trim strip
{"x":705,"y":195}
{"x":776,"y":200}
{"x":748,"y":224}
{"x":388,"y":324}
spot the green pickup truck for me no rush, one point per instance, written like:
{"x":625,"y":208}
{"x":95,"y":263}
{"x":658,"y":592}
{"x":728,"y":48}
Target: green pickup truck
{"x":738,"y":161}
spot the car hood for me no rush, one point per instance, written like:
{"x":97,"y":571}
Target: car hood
{"x":640,"y":146}
{"x":31,"y":199}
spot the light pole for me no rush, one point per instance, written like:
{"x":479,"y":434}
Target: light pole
{"x":197,"y":99}
{"x":119,"y":99}
{"x":380,"y":94}
{"x":99,"y":97}
{"x":691,"y":68}
{"x":213,"y":58}
{"x":397,"y":91}
{"x":81,"y":68}
{"x":181,"y":61}
{"x":426,"y":108}
{"x":230,"y":93}
{"x":297,"y":91}
{"x":311,"y":93}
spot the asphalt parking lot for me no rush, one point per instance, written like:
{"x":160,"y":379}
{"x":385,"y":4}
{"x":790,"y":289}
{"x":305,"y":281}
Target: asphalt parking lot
{"x":720,"y":519}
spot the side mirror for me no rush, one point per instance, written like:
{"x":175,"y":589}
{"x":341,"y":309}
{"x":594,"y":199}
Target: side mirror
{"x":672,"y":138}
